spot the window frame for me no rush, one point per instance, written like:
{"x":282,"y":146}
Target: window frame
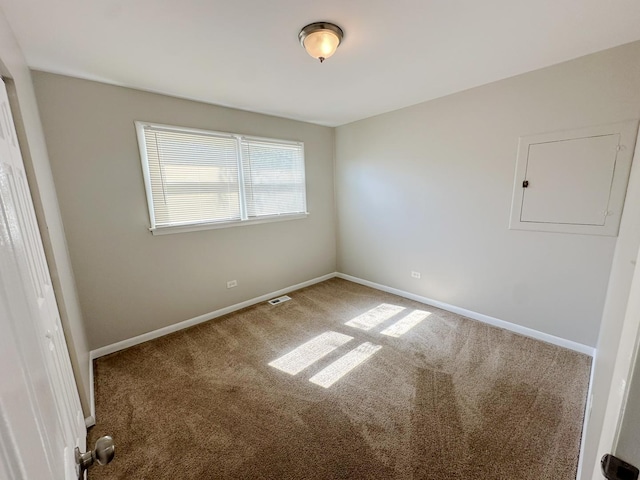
{"x":197,"y":226}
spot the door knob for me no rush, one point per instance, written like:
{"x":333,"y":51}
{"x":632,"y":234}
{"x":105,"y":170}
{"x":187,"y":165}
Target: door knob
{"x":614,"y":468}
{"x":103,"y":453}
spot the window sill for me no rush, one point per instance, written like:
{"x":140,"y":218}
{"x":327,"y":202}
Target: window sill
{"x":235,"y":223}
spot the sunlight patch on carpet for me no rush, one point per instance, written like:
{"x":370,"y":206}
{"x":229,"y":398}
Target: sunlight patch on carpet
{"x":405,"y":324}
{"x":310,"y":352}
{"x":338,"y":369}
{"x":375,"y":316}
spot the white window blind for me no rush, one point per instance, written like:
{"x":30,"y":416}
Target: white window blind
{"x":196,"y":177}
{"x":273,"y":177}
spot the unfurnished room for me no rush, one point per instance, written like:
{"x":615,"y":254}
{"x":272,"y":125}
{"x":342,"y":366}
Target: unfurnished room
{"x":319,"y":240}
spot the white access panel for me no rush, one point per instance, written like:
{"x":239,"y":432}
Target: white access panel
{"x":573,"y":181}
{"x":570,"y":180}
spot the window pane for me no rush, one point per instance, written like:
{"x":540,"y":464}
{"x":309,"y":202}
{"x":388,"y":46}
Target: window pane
{"x":194,"y":177}
{"x":273,"y":178}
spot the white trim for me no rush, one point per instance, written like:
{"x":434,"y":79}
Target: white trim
{"x":587,"y":415}
{"x":626,"y":133}
{"x":213,"y":133}
{"x":242,"y":188}
{"x":90,"y":421}
{"x":142,"y":146}
{"x":145,"y":337}
{"x":194,"y":227}
{"x":142,"y":126}
{"x":527,"y":332}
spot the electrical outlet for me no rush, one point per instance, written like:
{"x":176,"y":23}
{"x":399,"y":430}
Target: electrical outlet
{"x":415,"y":274}
{"x":232,"y":283}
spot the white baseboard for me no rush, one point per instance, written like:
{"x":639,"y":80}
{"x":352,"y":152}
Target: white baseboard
{"x":587,"y":415}
{"x":528,"y":332}
{"x":90,"y":421}
{"x":145,"y":337}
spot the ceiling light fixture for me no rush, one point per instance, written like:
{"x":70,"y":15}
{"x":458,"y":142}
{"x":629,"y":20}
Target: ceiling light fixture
{"x":320,"y":39}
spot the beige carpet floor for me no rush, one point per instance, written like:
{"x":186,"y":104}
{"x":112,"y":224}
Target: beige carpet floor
{"x":438,"y":396}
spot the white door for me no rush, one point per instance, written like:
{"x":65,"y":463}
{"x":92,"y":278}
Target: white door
{"x":618,"y":433}
{"x":621,"y":431}
{"x":41,"y":420}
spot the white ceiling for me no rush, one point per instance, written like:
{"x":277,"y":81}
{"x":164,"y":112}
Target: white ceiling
{"x":245,"y":53}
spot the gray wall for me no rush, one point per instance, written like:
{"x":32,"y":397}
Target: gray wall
{"x":131,"y":282}
{"x":34,"y":152}
{"x":428,"y":188}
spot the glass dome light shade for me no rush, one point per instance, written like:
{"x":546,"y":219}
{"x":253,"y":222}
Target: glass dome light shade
{"x":321,"y":44}
{"x":321,"y":39}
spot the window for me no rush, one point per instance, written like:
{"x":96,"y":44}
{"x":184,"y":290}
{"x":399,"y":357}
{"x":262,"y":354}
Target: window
{"x":197,"y":179}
